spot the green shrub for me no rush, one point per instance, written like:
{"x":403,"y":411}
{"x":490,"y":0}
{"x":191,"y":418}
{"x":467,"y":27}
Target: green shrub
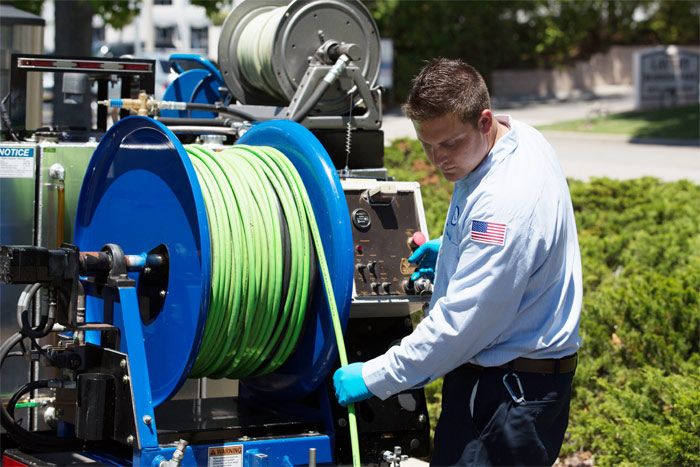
{"x":643,"y":416}
{"x":637,"y":389}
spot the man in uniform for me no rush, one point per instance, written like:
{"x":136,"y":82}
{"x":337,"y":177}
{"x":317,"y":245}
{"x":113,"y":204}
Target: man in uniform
{"x":503,"y":321}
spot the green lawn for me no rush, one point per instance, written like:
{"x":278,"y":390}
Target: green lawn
{"x":680,"y":122}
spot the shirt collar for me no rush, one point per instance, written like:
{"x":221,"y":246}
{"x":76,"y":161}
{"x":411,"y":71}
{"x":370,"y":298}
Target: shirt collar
{"x":503,"y":147}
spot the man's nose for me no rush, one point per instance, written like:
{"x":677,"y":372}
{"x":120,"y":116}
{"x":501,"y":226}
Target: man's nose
{"x":438,"y":155}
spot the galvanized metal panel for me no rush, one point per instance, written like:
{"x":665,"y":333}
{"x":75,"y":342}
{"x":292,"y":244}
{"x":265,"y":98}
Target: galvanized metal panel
{"x":72,"y":160}
{"x":16,"y":228}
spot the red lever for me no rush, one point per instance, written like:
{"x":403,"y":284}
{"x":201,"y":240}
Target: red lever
{"x":416,"y":240}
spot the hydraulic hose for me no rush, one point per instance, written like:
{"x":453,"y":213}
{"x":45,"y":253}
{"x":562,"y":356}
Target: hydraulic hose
{"x":263,"y":235}
{"x":25,"y":299}
{"x":311,"y":103}
{"x":24,"y":389}
{"x":194,"y":121}
{"x":222,"y":109}
{"x":46,"y":322}
{"x":330,"y":78}
{"x":219,"y":130}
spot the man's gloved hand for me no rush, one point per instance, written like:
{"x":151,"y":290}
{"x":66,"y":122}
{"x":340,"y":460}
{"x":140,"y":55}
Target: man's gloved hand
{"x":349,"y":385}
{"x":426,"y":257}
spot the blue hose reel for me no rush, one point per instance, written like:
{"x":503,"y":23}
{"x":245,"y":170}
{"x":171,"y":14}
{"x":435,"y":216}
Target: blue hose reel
{"x":196,"y":85}
{"x":141,"y":191}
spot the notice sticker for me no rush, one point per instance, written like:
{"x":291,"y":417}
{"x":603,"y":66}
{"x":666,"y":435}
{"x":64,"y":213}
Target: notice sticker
{"x":16,"y":162}
{"x":226,"y":456}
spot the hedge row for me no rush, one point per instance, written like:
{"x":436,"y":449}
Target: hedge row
{"x":637,"y":389}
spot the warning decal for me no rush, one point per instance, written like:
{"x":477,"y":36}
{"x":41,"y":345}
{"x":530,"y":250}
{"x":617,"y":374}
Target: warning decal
{"x":226,"y":456}
{"x":16,"y":162}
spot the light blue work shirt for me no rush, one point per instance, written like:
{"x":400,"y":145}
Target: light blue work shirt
{"x":512,"y":292}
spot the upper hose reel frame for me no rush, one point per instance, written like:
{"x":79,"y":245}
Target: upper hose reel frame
{"x":305,"y":26}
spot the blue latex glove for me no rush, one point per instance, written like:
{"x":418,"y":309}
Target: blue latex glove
{"x":349,"y":385}
{"x":426,"y":257}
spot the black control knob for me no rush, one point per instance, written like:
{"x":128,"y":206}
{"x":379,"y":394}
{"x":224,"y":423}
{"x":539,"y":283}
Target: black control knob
{"x":407,"y":286}
{"x":375,"y":287}
{"x":386,"y":287}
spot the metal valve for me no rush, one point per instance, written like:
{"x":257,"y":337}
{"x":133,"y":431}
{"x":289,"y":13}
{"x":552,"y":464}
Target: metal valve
{"x":423,"y":285}
{"x":178,"y":455}
{"x":395,"y":458}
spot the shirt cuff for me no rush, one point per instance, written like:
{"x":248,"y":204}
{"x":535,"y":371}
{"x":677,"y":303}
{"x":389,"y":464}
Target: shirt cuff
{"x":375,"y":375}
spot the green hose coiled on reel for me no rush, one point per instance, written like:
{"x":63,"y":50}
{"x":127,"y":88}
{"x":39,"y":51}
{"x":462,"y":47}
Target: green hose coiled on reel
{"x":253,"y":325}
{"x":261,"y":227}
{"x":255,"y":49}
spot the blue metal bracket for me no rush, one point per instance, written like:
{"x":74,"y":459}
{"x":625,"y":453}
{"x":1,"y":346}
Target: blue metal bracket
{"x":144,"y":415}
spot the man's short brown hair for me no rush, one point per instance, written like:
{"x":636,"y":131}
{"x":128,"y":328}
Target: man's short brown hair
{"x":445,"y":86}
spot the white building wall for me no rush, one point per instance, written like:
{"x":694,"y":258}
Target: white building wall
{"x":47,"y":12}
{"x":180,"y":14}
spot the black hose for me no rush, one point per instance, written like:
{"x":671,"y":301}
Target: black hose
{"x":301,"y":114}
{"x":195,"y":121}
{"x":24,"y":389}
{"x":25,"y":438}
{"x":46,"y":321}
{"x":38,"y":332}
{"x":222,"y":109}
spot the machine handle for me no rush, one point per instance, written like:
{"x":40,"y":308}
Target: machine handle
{"x":203,"y":62}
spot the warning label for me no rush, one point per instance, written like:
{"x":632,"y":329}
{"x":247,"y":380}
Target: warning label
{"x":226,"y":456}
{"x":16,"y":162}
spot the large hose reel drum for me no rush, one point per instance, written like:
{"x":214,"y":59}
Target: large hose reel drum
{"x":144,"y":191}
{"x":267,"y":46}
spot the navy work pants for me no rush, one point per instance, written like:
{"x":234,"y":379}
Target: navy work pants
{"x":486,"y":426}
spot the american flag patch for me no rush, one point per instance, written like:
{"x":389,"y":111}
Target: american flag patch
{"x":488,"y":232}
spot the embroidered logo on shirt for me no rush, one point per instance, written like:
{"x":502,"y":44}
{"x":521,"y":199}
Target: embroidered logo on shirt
{"x":488,"y":232}
{"x":455,"y":216}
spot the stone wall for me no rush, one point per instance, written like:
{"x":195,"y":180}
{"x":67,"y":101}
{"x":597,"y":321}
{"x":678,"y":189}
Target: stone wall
{"x":613,"y":68}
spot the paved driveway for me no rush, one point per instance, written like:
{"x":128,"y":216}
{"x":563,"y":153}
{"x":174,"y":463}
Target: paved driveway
{"x":585,"y":156}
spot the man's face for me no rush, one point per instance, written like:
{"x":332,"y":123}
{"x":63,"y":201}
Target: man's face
{"x":454,"y":147}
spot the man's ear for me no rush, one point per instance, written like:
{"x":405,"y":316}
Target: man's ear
{"x":485,"y":121}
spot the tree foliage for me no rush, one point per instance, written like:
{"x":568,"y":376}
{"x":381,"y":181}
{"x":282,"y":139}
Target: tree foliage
{"x":213,"y":7}
{"x":637,"y":387}
{"x":116,"y":13}
{"x":526,"y":33}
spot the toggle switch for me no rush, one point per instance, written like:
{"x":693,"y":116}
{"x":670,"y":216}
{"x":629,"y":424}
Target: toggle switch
{"x":372,"y":266}
{"x":361,"y":271}
{"x":382,"y":193}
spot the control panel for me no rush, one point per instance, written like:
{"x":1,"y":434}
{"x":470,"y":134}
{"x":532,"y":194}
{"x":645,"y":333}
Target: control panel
{"x":388,"y":223}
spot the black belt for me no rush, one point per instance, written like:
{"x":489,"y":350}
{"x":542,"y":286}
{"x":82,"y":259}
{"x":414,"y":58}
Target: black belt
{"x":530,"y":365}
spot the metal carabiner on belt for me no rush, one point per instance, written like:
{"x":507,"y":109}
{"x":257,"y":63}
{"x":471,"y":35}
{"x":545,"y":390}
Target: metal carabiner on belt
{"x":517,"y":399}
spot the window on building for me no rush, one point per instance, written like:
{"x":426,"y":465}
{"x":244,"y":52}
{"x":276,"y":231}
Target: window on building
{"x":162,"y":2}
{"x":98,"y":34}
{"x":199,"y":38}
{"x":165,"y":37}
